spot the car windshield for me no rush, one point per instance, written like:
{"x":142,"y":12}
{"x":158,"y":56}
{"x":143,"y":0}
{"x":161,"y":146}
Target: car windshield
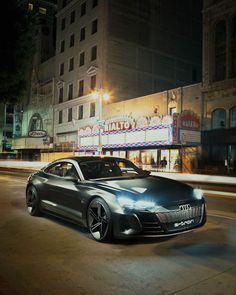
{"x":109,"y":168}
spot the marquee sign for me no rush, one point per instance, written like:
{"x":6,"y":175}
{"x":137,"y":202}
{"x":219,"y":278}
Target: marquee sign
{"x":119,"y":123}
{"x":189,"y":120}
{"x":37,"y":133}
{"x":127,"y":132}
{"x":124,"y":131}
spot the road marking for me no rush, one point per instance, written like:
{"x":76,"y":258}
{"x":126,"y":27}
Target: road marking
{"x":220,"y":194}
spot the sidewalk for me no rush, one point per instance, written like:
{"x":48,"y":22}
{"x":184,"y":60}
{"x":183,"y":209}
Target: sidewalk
{"x":177,"y":176}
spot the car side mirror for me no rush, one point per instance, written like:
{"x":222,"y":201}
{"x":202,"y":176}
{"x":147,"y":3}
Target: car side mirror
{"x":146,"y":172}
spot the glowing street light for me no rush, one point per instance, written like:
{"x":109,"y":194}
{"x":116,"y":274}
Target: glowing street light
{"x":101,"y":96}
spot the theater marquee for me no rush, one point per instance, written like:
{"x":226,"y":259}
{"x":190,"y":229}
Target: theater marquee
{"x":122,"y":132}
{"x":126,"y":132}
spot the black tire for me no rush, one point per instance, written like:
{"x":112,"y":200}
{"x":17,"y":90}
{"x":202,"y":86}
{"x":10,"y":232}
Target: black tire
{"x":99,"y":220}
{"x":32,"y":201}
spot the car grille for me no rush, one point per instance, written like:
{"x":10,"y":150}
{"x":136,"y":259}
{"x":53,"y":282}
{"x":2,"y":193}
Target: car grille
{"x":170,"y":218}
{"x":150,"y":223}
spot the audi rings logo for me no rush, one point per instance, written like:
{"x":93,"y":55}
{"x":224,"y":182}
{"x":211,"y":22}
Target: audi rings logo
{"x":185,"y":207}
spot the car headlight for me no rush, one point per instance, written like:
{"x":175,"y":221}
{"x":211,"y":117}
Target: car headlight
{"x":198,"y":193}
{"x":138,"y":205}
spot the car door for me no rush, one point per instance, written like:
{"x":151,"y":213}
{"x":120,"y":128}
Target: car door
{"x":64,"y":191}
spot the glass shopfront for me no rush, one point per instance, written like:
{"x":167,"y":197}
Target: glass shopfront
{"x":152,"y":143}
{"x":150,"y":159}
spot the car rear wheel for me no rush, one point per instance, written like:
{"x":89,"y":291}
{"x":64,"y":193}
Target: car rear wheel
{"x":99,"y":220}
{"x":32,"y":201}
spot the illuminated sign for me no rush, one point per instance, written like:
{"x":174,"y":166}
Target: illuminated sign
{"x":189,"y":136}
{"x":127,"y":132}
{"x":119,"y":123}
{"x":37,"y":133}
{"x":189,"y":120}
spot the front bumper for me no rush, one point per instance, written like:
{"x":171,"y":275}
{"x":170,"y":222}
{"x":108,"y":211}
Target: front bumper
{"x":164,"y":223}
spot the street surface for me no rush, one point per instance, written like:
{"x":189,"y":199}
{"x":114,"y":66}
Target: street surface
{"x":48,"y":256}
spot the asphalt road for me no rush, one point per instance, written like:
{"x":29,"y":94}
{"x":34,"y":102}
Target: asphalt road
{"x":47,"y":256}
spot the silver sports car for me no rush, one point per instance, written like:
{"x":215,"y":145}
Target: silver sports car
{"x":114,"y":198}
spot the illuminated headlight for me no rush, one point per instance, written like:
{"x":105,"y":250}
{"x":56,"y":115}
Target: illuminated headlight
{"x":198,"y":194}
{"x":138,"y":205}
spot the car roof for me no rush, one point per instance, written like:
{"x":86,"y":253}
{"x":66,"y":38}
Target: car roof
{"x":89,"y":158}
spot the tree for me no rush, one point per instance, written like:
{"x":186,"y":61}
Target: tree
{"x":16,"y":50}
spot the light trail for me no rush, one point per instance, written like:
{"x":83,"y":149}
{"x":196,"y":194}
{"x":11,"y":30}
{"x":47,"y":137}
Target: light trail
{"x":220,"y":194}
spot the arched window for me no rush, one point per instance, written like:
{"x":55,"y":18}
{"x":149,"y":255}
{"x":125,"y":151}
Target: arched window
{"x":218,"y":118}
{"x":233,"y":47}
{"x":232,"y":117}
{"x":36,"y":122}
{"x":220,"y":51}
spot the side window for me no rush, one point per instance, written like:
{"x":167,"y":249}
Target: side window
{"x":54,"y":169}
{"x":126,"y":168}
{"x":63,"y":169}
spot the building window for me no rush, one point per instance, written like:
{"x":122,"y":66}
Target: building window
{"x":94,"y":27}
{"x":61,"y":69}
{"x":36,"y":122}
{"x":83,"y":9}
{"x":81,"y":112}
{"x":93,"y":53}
{"x":81,"y":59}
{"x":172,"y":110}
{"x":81,"y":88}
{"x":194,"y":75}
{"x":218,"y":119}
{"x":71,"y":64}
{"x":92,"y":109}
{"x":60,"y":117}
{"x":42,"y":10}
{"x":72,"y":40}
{"x":60,"y":95}
{"x":30,"y":6}
{"x":63,"y":24}
{"x":69,"y":114}
{"x":232,"y":116}
{"x":94,"y":3}
{"x":233,"y":47}
{"x":70,"y":91}
{"x":93,"y":82}
{"x":64,"y":2}
{"x":72,"y":17}
{"x":62,"y":46}
{"x":9,"y":118}
{"x":220,"y":51}
{"x":9,"y":134}
{"x":82,"y":34}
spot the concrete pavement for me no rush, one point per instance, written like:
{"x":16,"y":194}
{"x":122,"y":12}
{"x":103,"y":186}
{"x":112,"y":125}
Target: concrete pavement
{"x":49,"y":256}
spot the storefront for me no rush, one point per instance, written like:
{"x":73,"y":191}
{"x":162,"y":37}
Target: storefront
{"x":144,"y":141}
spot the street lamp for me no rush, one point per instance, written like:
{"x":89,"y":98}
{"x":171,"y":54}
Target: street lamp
{"x":100,"y":95}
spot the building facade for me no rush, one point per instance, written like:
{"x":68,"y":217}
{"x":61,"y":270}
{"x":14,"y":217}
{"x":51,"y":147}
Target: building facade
{"x":6,"y":129}
{"x":33,"y":123}
{"x":128,"y":48}
{"x":219,"y":85}
{"x":146,"y":130}
{"x":34,"y":117}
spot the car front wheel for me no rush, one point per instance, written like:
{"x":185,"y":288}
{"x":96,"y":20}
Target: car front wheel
{"x":32,"y":201}
{"x":99,"y":220}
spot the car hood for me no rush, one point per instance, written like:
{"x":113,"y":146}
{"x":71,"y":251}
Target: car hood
{"x":155,"y":188}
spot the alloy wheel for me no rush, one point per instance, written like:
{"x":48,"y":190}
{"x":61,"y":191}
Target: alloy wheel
{"x":98,"y":220}
{"x":32,"y":202}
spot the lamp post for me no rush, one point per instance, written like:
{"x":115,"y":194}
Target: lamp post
{"x":100,"y":95}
